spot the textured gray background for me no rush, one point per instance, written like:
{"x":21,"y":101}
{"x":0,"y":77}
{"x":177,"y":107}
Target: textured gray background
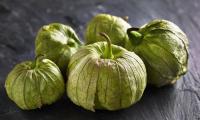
{"x":20,"y":20}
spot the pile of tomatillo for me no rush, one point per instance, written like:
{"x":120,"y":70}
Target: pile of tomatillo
{"x":110,"y":71}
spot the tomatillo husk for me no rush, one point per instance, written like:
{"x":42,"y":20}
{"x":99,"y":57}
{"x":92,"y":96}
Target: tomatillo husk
{"x":115,"y":27}
{"x":32,"y":84}
{"x":57,"y":42}
{"x":105,"y":76}
{"x":163,"y":47}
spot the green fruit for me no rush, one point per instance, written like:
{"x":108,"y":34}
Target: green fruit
{"x":163,"y":46}
{"x":57,"y":42}
{"x":115,"y":27}
{"x":32,"y":84}
{"x":105,"y":76}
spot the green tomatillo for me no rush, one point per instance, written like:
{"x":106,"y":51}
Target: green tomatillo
{"x":32,"y":84}
{"x":105,"y":76}
{"x":115,"y":27}
{"x":163,"y":47}
{"x":57,"y":42}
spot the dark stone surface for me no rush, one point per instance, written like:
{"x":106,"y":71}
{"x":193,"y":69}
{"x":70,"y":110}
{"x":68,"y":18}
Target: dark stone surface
{"x":20,"y":20}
